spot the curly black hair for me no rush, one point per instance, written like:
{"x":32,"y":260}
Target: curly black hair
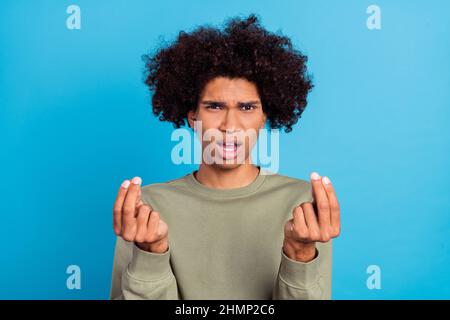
{"x":178,"y":72}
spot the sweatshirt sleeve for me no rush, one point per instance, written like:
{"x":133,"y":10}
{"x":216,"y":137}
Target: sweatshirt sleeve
{"x":138,"y":274}
{"x":305,"y":280}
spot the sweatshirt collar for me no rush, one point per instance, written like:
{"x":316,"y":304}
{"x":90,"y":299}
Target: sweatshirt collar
{"x":227,"y":193}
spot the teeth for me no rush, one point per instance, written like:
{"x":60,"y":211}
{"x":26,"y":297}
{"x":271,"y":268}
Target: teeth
{"x":229,"y":147}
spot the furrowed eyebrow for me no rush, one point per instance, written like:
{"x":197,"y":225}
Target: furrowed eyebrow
{"x":224,"y":103}
{"x":248,"y":102}
{"x":213,"y":102}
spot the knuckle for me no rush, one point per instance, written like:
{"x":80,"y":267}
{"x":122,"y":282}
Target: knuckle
{"x":150,"y":238}
{"x":128,"y":208}
{"x":139,"y":238}
{"x":144,"y":208}
{"x":158,"y":234}
{"x":305,"y":204}
{"x":325,"y":237}
{"x":296,"y":230}
{"x":303,"y":234}
{"x":127,"y":237}
{"x":314,"y":235}
{"x":335,"y":207}
{"x":128,"y":233}
{"x":336,"y":231}
{"x":323,"y":206}
{"x":308,"y":206}
{"x":305,"y":239}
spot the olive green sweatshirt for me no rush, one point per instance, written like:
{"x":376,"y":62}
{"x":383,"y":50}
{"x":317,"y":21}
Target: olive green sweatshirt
{"x":223,"y":244}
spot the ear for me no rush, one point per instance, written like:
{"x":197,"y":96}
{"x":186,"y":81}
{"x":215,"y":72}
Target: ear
{"x":191,"y":116}
{"x":264,"y":121}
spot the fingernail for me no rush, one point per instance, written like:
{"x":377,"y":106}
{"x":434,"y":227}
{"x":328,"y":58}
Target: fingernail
{"x":315,"y":176}
{"x":137,"y":180}
{"x":326,"y":180}
{"x":125,"y":184}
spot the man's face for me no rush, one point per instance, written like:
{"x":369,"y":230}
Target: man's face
{"x":231,"y":115}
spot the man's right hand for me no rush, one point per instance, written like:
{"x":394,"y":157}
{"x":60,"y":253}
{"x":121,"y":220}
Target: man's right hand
{"x":138,"y":222}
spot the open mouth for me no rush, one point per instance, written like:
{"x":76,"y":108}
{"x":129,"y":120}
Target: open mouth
{"x":228,"y":150}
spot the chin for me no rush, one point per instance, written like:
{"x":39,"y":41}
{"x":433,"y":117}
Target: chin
{"x":227,"y":166}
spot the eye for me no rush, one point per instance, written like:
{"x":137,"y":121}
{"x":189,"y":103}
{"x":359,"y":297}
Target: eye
{"x":213,"y":106}
{"x":248,"y":107}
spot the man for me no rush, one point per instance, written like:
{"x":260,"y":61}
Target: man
{"x":228,"y":230}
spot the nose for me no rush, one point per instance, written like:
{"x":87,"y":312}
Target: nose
{"x":230,"y":122}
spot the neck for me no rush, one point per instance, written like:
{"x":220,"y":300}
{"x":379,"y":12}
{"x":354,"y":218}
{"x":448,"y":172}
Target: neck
{"x":221,"y":178}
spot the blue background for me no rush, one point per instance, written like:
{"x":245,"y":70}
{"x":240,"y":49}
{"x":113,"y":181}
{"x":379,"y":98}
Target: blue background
{"x":75,"y":121}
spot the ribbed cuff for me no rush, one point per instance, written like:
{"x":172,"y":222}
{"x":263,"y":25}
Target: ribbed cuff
{"x":149,"y":266}
{"x":299,"y":274}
